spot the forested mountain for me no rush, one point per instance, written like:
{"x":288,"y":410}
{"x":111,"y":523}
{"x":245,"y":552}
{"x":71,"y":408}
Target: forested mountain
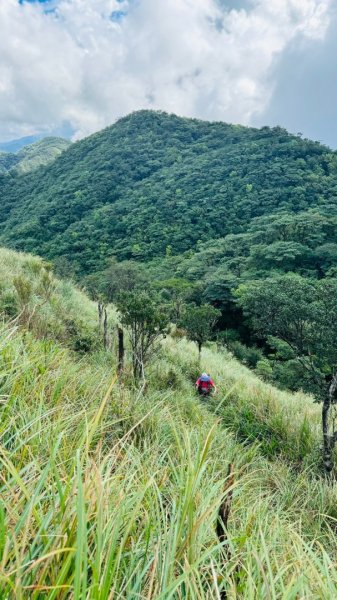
{"x":155,"y":183}
{"x":192,"y":210}
{"x":32,"y":156}
{"x":13,"y":146}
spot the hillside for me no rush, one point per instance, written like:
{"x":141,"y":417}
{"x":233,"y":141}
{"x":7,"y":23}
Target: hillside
{"x":108,"y":489}
{"x":32,"y":156}
{"x":190,"y":210}
{"x":12,"y":146}
{"x":154,"y":183}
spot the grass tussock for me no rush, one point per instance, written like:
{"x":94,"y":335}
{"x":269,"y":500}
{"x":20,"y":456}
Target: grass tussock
{"x":53,"y":309}
{"x":110,"y":492}
{"x":286,"y":425}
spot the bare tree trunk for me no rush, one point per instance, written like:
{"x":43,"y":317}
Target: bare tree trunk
{"x":327,"y":450}
{"x":329,"y":441}
{"x":100,"y":315}
{"x":105,"y":330}
{"x":138,"y":368}
{"x":199,"y":350}
{"x":121,"y":351}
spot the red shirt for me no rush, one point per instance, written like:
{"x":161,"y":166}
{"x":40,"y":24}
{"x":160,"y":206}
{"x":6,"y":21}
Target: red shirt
{"x":205,"y":385}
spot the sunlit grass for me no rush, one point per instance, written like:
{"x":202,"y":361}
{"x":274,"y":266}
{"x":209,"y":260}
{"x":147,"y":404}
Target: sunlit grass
{"x":106,"y":492}
{"x":286,"y":425}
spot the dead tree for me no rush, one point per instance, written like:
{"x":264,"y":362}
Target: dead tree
{"x":121,"y":350}
{"x":106,"y":341}
{"x":329,"y":440}
{"x":100,"y":315}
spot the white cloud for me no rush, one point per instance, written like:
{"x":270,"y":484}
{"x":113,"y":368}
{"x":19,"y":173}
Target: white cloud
{"x":192,"y":57}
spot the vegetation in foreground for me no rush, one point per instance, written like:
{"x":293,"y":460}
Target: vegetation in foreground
{"x":108,"y":490}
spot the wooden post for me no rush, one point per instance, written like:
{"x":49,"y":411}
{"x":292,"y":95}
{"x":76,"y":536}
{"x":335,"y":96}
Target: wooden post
{"x":121,"y":350}
{"x":105,"y":330}
{"x":100,"y":315}
{"x":329,"y":441}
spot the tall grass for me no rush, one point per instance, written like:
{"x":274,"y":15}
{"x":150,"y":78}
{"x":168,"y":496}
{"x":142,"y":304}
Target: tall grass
{"x":109,"y":493}
{"x":286,"y":425}
{"x":105,"y":494}
{"x":51,"y":308}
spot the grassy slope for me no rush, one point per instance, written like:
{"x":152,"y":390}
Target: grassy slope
{"x":53,"y":309}
{"x":285,"y":425}
{"x":106,"y":492}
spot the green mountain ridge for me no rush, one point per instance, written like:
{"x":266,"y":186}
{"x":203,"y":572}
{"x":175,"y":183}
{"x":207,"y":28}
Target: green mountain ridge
{"x":15,"y":145}
{"x":192,"y":211}
{"x":32,"y":156}
{"x":155,"y":181}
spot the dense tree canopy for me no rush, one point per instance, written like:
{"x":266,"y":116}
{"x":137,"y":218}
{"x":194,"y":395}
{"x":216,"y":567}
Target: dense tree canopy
{"x":301,"y":313}
{"x":155,"y":183}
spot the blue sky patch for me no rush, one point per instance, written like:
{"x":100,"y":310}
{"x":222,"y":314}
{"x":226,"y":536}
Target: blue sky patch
{"x":118,"y":15}
{"x":49,"y":6}
{"x":34,"y":1}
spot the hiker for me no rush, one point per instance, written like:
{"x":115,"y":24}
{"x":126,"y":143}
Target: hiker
{"x":205,"y":385}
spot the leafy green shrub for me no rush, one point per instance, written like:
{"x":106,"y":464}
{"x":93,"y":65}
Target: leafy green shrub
{"x":83,"y":344}
{"x":9,"y":305}
{"x":79,"y":338}
{"x":249,"y":355}
{"x":226,"y":337}
{"x":264,"y":369}
{"x":24,"y":289}
{"x":288,"y":374}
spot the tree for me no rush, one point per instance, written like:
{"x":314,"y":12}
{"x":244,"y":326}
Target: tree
{"x":124,"y":276}
{"x":199,"y":322}
{"x":174,"y":292}
{"x":302,"y":313}
{"x":145,"y":323}
{"x":119,"y":277}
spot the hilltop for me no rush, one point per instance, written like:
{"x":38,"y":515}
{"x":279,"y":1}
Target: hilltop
{"x":13,"y":146}
{"x":31,"y":156}
{"x":191,"y":210}
{"x":155,"y":183}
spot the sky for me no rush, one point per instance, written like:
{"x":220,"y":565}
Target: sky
{"x":72,"y":67}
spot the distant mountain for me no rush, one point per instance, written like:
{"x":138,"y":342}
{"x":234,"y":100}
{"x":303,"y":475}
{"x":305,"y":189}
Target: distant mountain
{"x":16,"y":145}
{"x":32,"y":156}
{"x":41,"y":153}
{"x":155,"y":184}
